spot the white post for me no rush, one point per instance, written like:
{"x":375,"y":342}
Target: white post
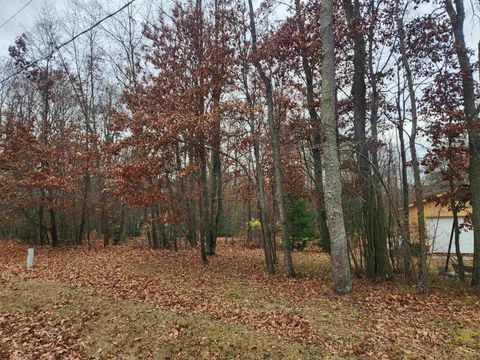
{"x":30,"y":258}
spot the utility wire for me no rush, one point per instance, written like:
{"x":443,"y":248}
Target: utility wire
{"x":15,"y":14}
{"x":58,"y":47}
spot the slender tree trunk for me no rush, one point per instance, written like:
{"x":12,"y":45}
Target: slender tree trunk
{"x":215,"y":210}
{"x":215,"y":183}
{"x":83,"y":215}
{"x":53,"y":228}
{"x":383,"y":265}
{"x":41,"y":226}
{"x":44,"y":164}
{"x":408,"y":269}
{"x":457,"y":18}
{"x":203,"y":208}
{"x":189,"y":206}
{"x":375,"y":255}
{"x":342,"y":280}
{"x":279,"y":195}
{"x":261,"y":199}
{"x":162,"y":243}
{"x":153,"y":227}
{"x":106,"y":229}
{"x":174,"y":237}
{"x":456,"y":229}
{"x":192,"y":210}
{"x":121,"y":227}
{"x":422,"y":237}
{"x":104,"y":219}
{"x":275,"y":143}
{"x":147,"y":227}
{"x":273,"y":231}
{"x":249,"y":237}
{"x":264,"y":221}
{"x":320,"y":198}
{"x":316,"y":138}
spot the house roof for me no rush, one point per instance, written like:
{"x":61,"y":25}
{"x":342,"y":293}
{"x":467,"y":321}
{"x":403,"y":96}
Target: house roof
{"x":431,"y":190}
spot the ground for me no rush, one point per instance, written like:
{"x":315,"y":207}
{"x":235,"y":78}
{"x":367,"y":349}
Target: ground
{"x":130,"y":302}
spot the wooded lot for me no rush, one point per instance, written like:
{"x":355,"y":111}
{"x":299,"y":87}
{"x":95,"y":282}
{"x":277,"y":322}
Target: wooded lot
{"x":238,"y":179}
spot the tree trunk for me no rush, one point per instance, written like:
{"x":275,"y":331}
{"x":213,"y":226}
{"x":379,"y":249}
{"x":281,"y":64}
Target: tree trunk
{"x":382,"y":259}
{"x":215,"y":183}
{"x":422,"y":237}
{"x":261,"y":199}
{"x":316,"y":139}
{"x":456,"y":229}
{"x":457,"y":17}
{"x":266,"y":234}
{"x":153,"y":227}
{"x":249,"y":237}
{"x":53,"y":228}
{"x":41,"y":226}
{"x":375,"y":255}
{"x":147,"y":227}
{"x":189,"y":205}
{"x":121,"y":227}
{"x":215,"y":210}
{"x":408,"y":270}
{"x":192,"y":210}
{"x":162,"y":243}
{"x":83,"y":215}
{"x":275,"y":143}
{"x":203,"y":203}
{"x":342,"y":280}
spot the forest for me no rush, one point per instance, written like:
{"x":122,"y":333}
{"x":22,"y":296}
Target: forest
{"x":231,"y":179}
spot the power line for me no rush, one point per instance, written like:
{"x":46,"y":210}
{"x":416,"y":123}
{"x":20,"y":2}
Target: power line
{"x":58,"y":47}
{"x":15,"y":14}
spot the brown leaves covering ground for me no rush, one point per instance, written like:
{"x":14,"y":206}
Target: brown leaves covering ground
{"x":162,"y":304}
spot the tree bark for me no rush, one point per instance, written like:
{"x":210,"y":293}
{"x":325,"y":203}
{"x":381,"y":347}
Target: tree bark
{"x":342,"y":281}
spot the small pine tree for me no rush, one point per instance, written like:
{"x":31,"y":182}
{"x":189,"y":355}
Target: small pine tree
{"x":301,"y":218}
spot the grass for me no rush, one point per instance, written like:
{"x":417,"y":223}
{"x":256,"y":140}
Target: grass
{"x":128,"y":329}
{"x":131,"y":303}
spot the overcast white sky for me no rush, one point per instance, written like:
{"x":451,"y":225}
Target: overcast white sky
{"x":25,"y":19}
{"x":22,"y":22}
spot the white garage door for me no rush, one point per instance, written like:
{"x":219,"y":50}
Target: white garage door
{"x":439,"y":230}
